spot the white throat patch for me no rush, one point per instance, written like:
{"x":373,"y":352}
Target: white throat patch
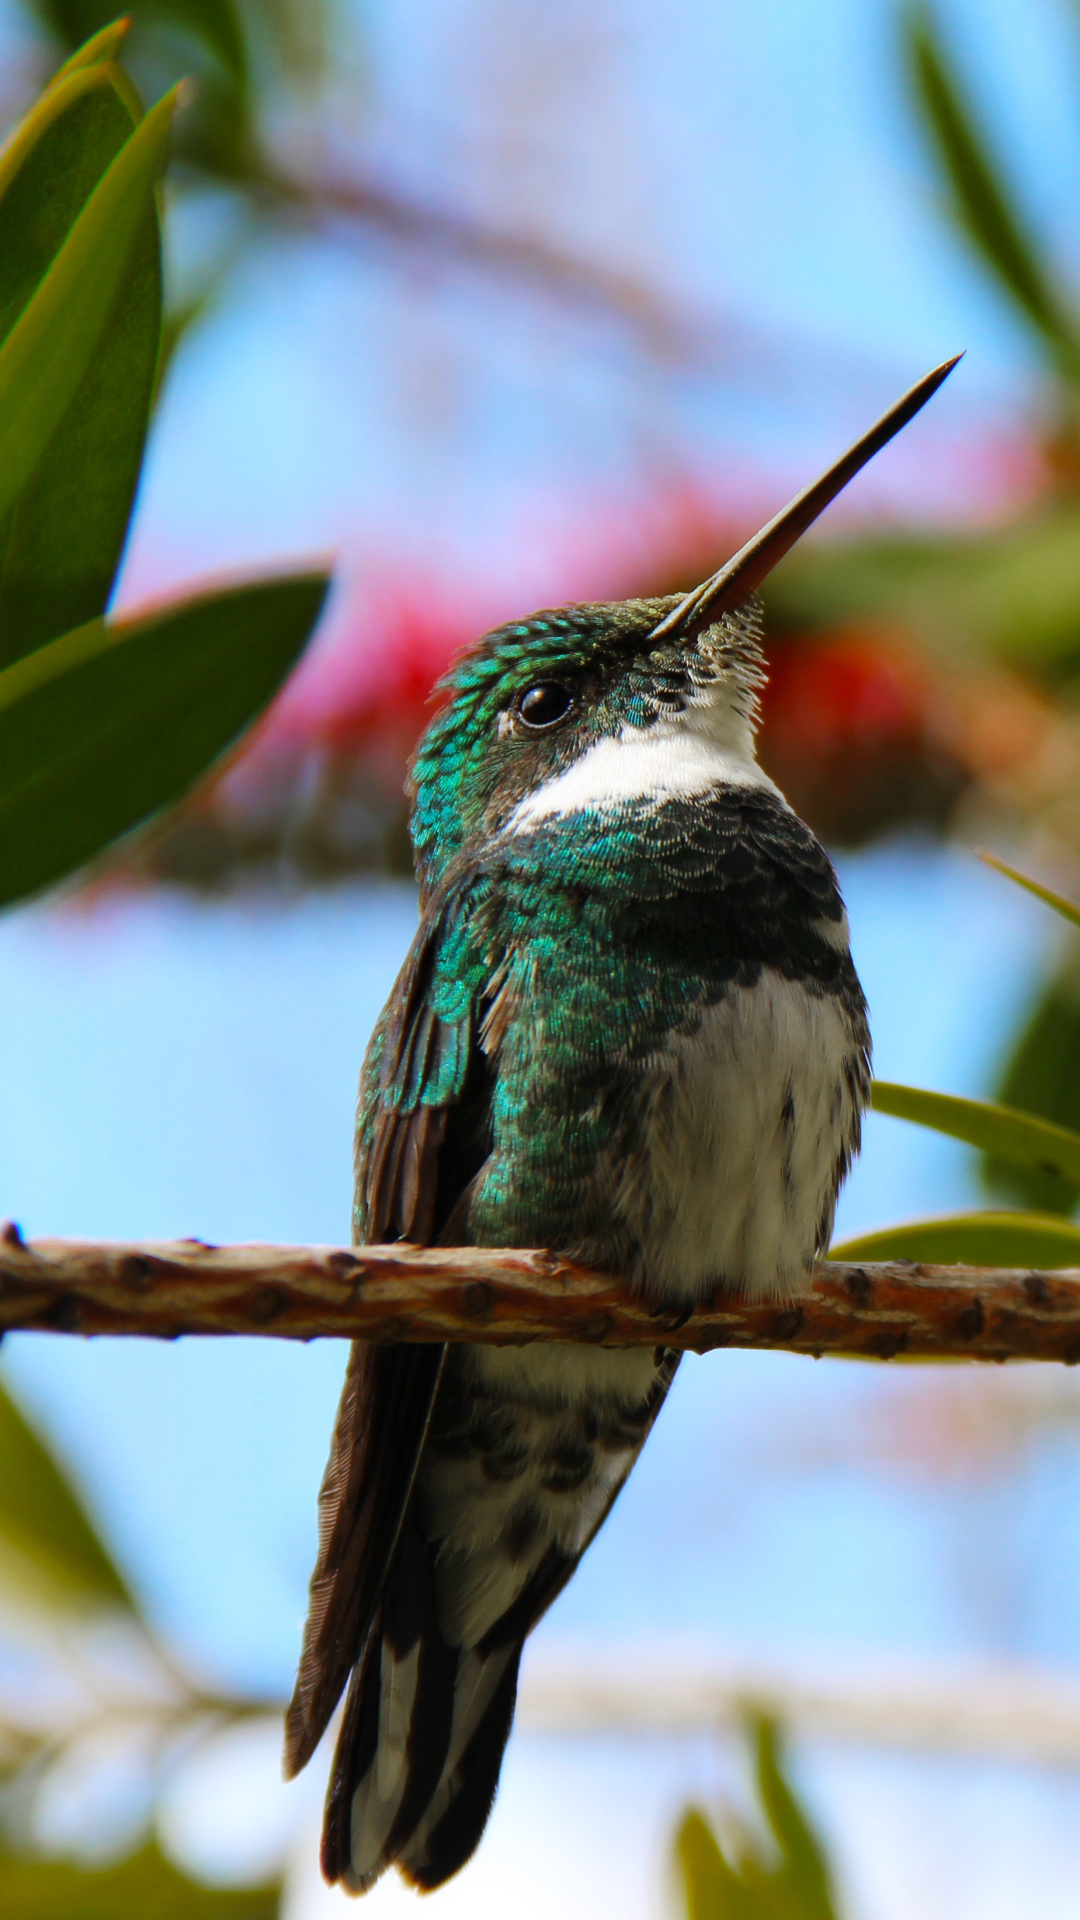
{"x":672,"y":759}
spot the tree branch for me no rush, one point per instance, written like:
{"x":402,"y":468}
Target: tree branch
{"x":504,"y":1296}
{"x":442,"y":232}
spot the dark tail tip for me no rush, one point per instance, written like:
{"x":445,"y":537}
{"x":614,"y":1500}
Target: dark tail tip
{"x":301,"y":1738}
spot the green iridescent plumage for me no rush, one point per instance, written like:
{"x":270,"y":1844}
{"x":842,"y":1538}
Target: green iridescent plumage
{"x":576,"y":951}
{"x":628,"y":1029}
{"x":466,"y":772}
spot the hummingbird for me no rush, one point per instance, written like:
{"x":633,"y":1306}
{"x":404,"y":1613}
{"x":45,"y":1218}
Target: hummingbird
{"x":628,"y":1029}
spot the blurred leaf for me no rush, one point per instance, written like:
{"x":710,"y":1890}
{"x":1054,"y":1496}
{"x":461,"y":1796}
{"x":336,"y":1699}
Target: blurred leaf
{"x":145,"y":1887}
{"x":46,"y":1540}
{"x":972,"y":1239}
{"x":802,"y":1876}
{"x":235,"y":52}
{"x":713,"y":1891}
{"x":61,"y":543}
{"x":793,"y":1885}
{"x":101,"y":46}
{"x":217,"y":23}
{"x":1066,"y":908}
{"x":299,"y":31}
{"x":1017,"y":1137}
{"x":1013,"y":594}
{"x":1043,"y":1074}
{"x":52,"y":345}
{"x":103,"y":727}
{"x":981,"y":199}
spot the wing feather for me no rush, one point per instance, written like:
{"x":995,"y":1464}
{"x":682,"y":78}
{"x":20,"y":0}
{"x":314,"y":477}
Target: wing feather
{"x":420,"y":1066}
{"x":381,"y":1426}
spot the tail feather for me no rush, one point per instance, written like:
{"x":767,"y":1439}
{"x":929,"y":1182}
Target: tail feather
{"x":410,"y":1631}
{"x":378,"y":1437}
{"x":417,"y":1760}
{"x":459,"y":1812}
{"x":354,"y":1755}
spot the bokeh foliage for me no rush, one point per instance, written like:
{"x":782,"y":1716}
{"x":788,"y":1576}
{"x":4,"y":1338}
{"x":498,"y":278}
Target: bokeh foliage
{"x":786,"y":1877}
{"x":59,"y":1587}
{"x":145,"y":1886}
{"x":1031,"y":1151}
{"x":235,"y":54}
{"x":1005,"y":600}
{"x":102,"y":722}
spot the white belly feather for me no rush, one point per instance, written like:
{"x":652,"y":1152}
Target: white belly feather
{"x":746,"y":1120}
{"x":749,"y":1117}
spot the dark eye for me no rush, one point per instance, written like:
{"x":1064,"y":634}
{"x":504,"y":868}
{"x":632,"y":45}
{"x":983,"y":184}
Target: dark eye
{"x":544,"y":705}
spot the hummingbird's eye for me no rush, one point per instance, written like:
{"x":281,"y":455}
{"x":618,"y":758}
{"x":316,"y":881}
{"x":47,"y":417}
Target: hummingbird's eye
{"x":544,"y":705}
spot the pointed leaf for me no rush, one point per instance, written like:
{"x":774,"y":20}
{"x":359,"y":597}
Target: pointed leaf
{"x":61,"y":543}
{"x":47,"y":1542}
{"x":972,"y":1239}
{"x":207,"y":39}
{"x":216,"y":23}
{"x":1043,"y":1072}
{"x":803,"y":1875}
{"x":104,"y":45}
{"x":982,"y":200}
{"x":1018,"y":1137}
{"x":52,"y":344}
{"x":713,"y":1891}
{"x":103,"y":727}
{"x":1058,"y":901}
{"x":1042,"y":1075}
{"x":145,"y":1887}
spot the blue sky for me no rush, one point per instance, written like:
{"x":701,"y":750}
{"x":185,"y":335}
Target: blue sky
{"x":759,"y":167}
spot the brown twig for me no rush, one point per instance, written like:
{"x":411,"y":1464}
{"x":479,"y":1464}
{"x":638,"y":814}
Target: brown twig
{"x":507,"y":1296}
{"x":442,"y":232}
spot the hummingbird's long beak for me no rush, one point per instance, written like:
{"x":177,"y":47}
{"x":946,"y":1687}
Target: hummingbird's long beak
{"x":753,"y":563}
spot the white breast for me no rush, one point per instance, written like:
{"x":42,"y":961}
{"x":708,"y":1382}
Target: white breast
{"x":748,"y":1117}
{"x":707,"y":747}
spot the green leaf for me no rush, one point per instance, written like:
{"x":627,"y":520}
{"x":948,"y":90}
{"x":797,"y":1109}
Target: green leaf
{"x":47,"y":175}
{"x":101,"y":728}
{"x":144,"y":1887}
{"x":101,"y":46}
{"x":1042,"y":1075}
{"x":1043,"y":1070}
{"x":972,"y":1239}
{"x":1056,"y":900}
{"x":52,"y":344}
{"x":795,"y":1885}
{"x":218,"y":42}
{"x":982,"y":201}
{"x":216,"y":23}
{"x":712,"y":1890}
{"x":1012,"y":595}
{"x":803,"y":1874}
{"x":61,"y":543}
{"x":49,"y":1548}
{"x":1016,"y":1137}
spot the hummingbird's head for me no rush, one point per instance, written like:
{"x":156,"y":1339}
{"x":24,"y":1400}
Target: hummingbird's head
{"x":614,"y":706}
{"x":585,"y":706}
